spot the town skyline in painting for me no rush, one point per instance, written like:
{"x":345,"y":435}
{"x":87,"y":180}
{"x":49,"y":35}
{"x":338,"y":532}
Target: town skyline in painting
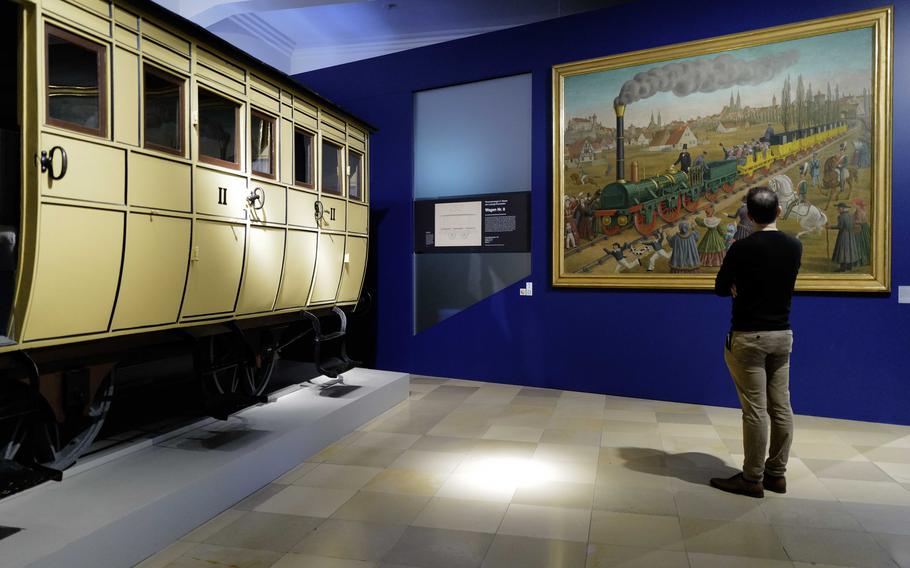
{"x":697,"y":132}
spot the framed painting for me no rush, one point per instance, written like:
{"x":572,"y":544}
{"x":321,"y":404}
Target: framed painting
{"x":654,"y":152}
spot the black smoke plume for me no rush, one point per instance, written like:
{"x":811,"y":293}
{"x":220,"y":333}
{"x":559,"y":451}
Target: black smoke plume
{"x":704,"y":76}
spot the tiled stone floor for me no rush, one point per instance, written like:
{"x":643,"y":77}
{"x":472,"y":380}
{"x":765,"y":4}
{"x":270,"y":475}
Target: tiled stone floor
{"x":468,"y":474}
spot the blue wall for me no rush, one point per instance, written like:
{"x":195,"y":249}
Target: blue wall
{"x":850,"y":356}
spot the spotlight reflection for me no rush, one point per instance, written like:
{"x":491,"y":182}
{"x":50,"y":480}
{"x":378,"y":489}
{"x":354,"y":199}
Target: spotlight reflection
{"x":505,"y":472}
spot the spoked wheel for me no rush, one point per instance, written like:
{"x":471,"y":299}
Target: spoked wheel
{"x":227,"y":366}
{"x":728,"y":187}
{"x":643,"y":227}
{"x":691,"y":204}
{"x":31,"y":434}
{"x":712,"y":196}
{"x":669,"y":214}
{"x":612,"y":229}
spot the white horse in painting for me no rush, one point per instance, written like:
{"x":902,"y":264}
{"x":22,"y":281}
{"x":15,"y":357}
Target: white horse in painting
{"x":811,"y":218}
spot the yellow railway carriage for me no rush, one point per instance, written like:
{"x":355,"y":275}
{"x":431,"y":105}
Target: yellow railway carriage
{"x":157,"y":184}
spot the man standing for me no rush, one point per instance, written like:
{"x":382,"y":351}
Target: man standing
{"x":684,"y":160}
{"x":760,"y":272}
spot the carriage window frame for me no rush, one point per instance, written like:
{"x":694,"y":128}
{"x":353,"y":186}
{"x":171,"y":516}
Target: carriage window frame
{"x":312,"y":161}
{"x":324,"y":140}
{"x":272,"y":144}
{"x":362,"y":197}
{"x":181,"y":117}
{"x":101,"y":52}
{"x":205,"y":158}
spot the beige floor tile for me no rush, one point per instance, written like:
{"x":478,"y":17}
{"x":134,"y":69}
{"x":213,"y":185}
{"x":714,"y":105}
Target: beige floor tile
{"x":702,"y":560}
{"x":640,"y":531}
{"x":632,"y":457}
{"x":503,"y":449}
{"x":732,"y":539}
{"x":477,"y":487}
{"x":839,"y":469}
{"x":632,"y":440}
{"x":566,"y":453}
{"x":611,"y":556}
{"x":509,"y":551}
{"x":212,"y":526}
{"x":265,"y":531}
{"x":443,"y":444}
{"x":881,"y":518}
{"x":809,"y":513}
{"x":804,"y":488}
{"x":259,"y":497}
{"x":331,"y":476}
{"x":633,"y":500}
{"x":860,"y":438}
{"x":881,"y":492}
{"x":524,"y":400}
{"x":689,"y":430}
{"x":817,"y":436}
{"x":296,"y":473}
{"x":570,"y":437}
{"x":293,"y":560}
{"x":720,"y":507}
{"x":619,"y":477}
{"x":513,"y":433}
{"x":351,"y":539}
{"x":364,"y":455}
{"x":683,"y":418}
{"x":897,"y":546}
{"x":368,"y":506}
{"x":556,"y":494}
{"x":887,"y":454}
{"x":386,"y":440}
{"x":578,"y":410}
{"x":546,"y":522}
{"x":462,"y":515}
{"x":899,"y":472}
{"x":208,"y":555}
{"x":815,"y":565}
{"x":166,"y":556}
{"x":615,"y":414}
{"x":438,"y":548}
{"x":630,"y":426}
{"x":306,"y":501}
{"x":458,"y":431}
{"x":568,"y":422}
{"x":428,"y":461}
{"x":807,"y":544}
{"x":825,"y":451}
{"x":406,"y":482}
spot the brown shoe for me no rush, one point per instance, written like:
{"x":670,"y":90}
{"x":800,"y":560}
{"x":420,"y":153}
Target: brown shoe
{"x":739,"y":485}
{"x":775,"y":483}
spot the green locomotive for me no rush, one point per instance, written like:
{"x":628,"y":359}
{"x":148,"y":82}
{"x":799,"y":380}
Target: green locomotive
{"x":646,"y":202}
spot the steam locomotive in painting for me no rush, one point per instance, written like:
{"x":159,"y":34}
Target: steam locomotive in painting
{"x":666,"y":197}
{"x":160,"y":191}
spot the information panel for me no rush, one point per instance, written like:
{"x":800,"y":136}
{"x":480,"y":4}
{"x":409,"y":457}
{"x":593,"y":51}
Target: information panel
{"x":497,"y":222}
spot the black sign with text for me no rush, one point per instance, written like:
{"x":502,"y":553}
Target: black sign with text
{"x":495,"y":222}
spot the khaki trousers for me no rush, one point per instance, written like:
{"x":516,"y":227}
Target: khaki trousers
{"x":759,"y":363}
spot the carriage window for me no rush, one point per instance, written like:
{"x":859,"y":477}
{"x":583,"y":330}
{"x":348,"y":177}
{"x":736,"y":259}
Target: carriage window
{"x":331,"y":168}
{"x":163,"y":110}
{"x":75,"y":82}
{"x":355,"y":175}
{"x":262,"y":144}
{"x":304,"y":164}
{"x":218,"y":119}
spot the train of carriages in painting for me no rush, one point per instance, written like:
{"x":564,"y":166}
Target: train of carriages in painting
{"x":645,"y":203}
{"x":160,"y":191}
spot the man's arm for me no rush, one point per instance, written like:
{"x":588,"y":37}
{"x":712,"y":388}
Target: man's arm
{"x":724,"y":284}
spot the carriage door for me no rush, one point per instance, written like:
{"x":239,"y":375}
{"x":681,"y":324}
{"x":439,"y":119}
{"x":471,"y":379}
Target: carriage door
{"x":10,"y":156}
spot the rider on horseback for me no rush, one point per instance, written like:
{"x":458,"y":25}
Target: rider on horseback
{"x":803,"y":189}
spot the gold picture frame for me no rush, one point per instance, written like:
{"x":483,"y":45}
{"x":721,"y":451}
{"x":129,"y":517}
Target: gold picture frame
{"x":836,"y":136}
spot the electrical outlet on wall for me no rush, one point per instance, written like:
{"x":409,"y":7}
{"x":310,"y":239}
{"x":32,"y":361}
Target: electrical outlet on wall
{"x":527,"y":290}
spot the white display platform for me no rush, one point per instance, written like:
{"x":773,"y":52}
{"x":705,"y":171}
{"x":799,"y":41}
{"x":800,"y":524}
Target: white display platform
{"x":127,"y":508}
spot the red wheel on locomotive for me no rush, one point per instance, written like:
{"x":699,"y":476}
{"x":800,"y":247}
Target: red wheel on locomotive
{"x":728,"y":186}
{"x":669,"y":214}
{"x":690,"y":204}
{"x":643,"y":227}
{"x":712,"y":196}
{"x":610,"y":226}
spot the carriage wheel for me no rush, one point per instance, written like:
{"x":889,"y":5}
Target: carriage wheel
{"x":646,"y":228}
{"x":690,"y":204}
{"x":765,"y":171}
{"x":749,"y":178}
{"x":33,"y":436}
{"x":712,"y":196}
{"x":613,"y":230}
{"x":667,"y":214}
{"x":728,"y":186}
{"x":224,"y":368}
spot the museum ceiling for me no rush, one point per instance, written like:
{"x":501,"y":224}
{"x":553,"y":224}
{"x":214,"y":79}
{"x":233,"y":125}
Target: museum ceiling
{"x":302,"y":35}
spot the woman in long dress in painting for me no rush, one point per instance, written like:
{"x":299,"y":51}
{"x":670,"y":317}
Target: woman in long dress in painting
{"x":712,"y":247}
{"x":864,"y":234}
{"x":846,"y":253}
{"x":684,"y":250}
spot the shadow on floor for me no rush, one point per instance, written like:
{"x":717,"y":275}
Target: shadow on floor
{"x":692,"y":467}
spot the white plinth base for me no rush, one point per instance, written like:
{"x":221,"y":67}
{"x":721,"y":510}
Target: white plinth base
{"x":126,"y":509}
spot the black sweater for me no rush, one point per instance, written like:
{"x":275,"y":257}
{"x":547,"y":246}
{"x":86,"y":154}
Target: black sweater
{"x":763,"y":266}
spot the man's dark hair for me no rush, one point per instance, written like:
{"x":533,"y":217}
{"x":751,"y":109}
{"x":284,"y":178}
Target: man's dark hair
{"x":762,"y":204}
